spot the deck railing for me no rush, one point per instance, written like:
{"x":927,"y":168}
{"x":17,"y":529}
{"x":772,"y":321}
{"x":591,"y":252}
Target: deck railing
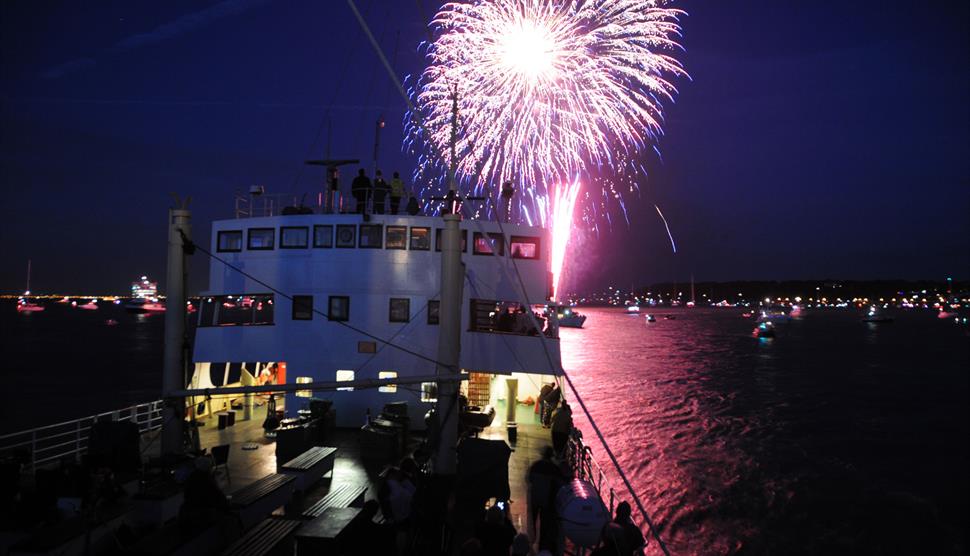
{"x":580,"y":459}
{"x":69,"y":440}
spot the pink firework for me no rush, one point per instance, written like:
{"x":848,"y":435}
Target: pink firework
{"x":563,"y":203}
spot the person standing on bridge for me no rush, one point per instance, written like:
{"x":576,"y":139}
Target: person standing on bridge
{"x":397,"y":191}
{"x":360,"y":188}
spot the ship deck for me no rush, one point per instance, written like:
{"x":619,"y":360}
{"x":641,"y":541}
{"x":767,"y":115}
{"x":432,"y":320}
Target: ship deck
{"x":248,"y":465}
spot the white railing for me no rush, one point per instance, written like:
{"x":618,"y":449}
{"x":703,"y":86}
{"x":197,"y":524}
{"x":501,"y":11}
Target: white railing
{"x":53,"y":443}
{"x":580,"y":459}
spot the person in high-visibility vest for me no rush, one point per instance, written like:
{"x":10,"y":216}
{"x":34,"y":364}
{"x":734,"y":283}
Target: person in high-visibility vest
{"x":397,"y":191}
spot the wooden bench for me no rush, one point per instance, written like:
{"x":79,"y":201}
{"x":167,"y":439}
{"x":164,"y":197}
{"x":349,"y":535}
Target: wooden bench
{"x":323,"y":535}
{"x":310,"y":466}
{"x":257,"y":500}
{"x":271,"y":536}
{"x":343,"y":496}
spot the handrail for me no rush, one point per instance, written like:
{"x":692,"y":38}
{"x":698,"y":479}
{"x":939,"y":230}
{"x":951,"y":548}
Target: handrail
{"x":47,"y":443}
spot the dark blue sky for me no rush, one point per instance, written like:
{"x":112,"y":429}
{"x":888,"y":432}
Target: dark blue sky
{"x":815,"y":140}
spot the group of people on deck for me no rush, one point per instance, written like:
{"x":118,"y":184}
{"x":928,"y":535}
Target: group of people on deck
{"x":380,"y":194}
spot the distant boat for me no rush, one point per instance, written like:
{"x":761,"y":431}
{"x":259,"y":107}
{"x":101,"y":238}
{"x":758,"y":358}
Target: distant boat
{"x":944,"y":314}
{"x":651,"y":318}
{"x":875,"y":316}
{"x":669,"y":317}
{"x":747,"y":315}
{"x":111,"y":322}
{"x":90,"y":305}
{"x":144,"y":306}
{"x":764,"y":330}
{"x":568,"y":317}
{"x":632,"y":309}
{"x":23,"y":304}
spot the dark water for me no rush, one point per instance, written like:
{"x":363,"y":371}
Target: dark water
{"x":66,"y":362}
{"x":836,"y":437}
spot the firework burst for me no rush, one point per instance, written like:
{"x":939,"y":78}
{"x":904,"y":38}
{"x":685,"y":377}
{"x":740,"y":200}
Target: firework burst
{"x":548,"y":91}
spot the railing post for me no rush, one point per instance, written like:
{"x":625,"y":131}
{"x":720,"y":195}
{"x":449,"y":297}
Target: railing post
{"x":33,"y":450}
{"x":77,"y":440}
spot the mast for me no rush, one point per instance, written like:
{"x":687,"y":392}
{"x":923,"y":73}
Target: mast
{"x":449,"y":339}
{"x":173,"y":372}
{"x":28,"y":278}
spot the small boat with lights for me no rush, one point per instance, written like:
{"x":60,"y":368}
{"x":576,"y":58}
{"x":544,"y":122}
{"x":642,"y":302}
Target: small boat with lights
{"x":764,"y":329}
{"x":24,"y":304}
{"x":89,"y":306}
{"x":568,"y":316}
{"x":633,"y":309}
{"x":876,"y":316}
{"x":651,"y":318}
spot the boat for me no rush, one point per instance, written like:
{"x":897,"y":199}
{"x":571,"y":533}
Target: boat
{"x":764,"y":329}
{"x":774,"y":315}
{"x":670,"y":317}
{"x":24,"y":305}
{"x":89,"y":306}
{"x":944,"y":314}
{"x":567,"y":316}
{"x":875,"y":316}
{"x":632,"y":309}
{"x":651,"y":318}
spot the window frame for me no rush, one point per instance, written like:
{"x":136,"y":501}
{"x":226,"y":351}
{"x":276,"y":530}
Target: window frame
{"x":411,"y":238}
{"x":306,"y":237}
{"x":306,"y":307}
{"x":390,"y":309}
{"x":353,"y":376}
{"x":437,"y":313}
{"x":380,"y":236}
{"x":330,"y":311}
{"x":219,"y":236}
{"x":249,"y":239}
{"x":528,"y":239}
{"x":493,"y":236}
{"x":390,"y":388}
{"x":315,"y":244}
{"x":387,"y":243}
{"x":437,"y":240}
{"x":353,"y":239}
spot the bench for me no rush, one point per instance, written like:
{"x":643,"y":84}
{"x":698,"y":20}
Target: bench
{"x":343,"y":496}
{"x":271,"y":536}
{"x":323,"y":534}
{"x":257,"y":500}
{"x":310,"y":466}
{"x":171,"y":540}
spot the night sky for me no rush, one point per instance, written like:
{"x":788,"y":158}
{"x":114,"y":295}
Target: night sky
{"x":815,"y":140}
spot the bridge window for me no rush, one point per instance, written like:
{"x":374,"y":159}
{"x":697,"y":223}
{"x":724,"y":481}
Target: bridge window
{"x":434,"y":309}
{"x":338,"y":308}
{"x":229,"y":241}
{"x":397,"y":237}
{"x":523,"y":247}
{"x":323,"y":235}
{"x":302,"y":307}
{"x":400,"y":309}
{"x":294,"y":237}
{"x":390,"y":388}
{"x":345,"y":376}
{"x":371,"y":236}
{"x":236,"y":310}
{"x":507,"y":317}
{"x":346,"y":235}
{"x":429,"y":392}
{"x":420,"y":239}
{"x":304,"y":393}
{"x":485,"y":244}
{"x":437,"y":240}
{"x":261,"y":238}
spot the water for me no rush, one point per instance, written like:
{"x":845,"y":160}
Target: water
{"x":835,"y":437}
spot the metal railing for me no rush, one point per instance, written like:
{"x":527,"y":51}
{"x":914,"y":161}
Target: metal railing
{"x":53,"y":443}
{"x":580,"y":459}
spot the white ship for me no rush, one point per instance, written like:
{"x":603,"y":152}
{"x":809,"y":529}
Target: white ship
{"x":321,"y":291}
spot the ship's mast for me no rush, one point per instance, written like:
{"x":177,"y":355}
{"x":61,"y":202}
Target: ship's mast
{"x":173,"y":373}
{"x":449,"y":340}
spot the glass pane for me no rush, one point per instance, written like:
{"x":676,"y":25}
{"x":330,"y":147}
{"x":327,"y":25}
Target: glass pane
{"x":524,"y":247}
{"x":370,"y":236}
{"x":339,"y":308}
{"x":391,"y":388}
{"x":261,"y":238}
{"x":397,"y":237}
{"x":293,"y":237}
{"x":484,"y":245}
{"x":437,"y":240}
{"x":434,"y":307}
{"x":230,"y":241}
{"x":345,"y":376}
{"x":420,"y":239}
{"x":303,"y":307}
{"x":346,"y":235}
{"x":400,"y":309}
{"x":323,"y":236}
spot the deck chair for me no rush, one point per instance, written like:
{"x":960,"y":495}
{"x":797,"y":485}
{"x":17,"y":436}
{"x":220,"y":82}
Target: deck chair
{"x":220,"y":458}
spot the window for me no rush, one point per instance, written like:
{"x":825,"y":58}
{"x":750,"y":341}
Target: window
{"x":345,"y":376}
{"x":390,"y":388}
{"x":366,"y":347}
{"x":261,"y":238}
{"x":434,"y":306}
{"x":229,"y":241}
{"x":429,"y":391}
{"x":302,"y":307}
{"x":294,"y":237}
{"x":346,"y":235}
{"x":236,"y":310}
{"x":370,"y":236}
{"x":339,"y":308}
{"x":304,"y":393}
{"x":437,"y":240}
{"x":397,"y":237}
{"x":485,"y":244}
{"x":400,"y":309}
{"x":323,"y":236}
{"x":523,"y":247}
{"x":420,"y":239}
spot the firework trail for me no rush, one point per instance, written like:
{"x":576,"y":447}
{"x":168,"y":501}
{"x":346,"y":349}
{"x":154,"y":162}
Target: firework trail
{"x":671,"y":236}
{"x":548,"y":91}
{"x":563,"y":202}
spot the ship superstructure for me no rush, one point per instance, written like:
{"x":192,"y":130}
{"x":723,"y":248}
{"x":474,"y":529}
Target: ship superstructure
{"x":344,"y":281}
{"x":144,"y":288}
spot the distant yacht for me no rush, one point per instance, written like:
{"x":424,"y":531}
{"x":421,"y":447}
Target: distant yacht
{"x":568,"y":317}
{"x":144,"y":297}
{"x":23,"y":304}
{"x":875,"y":316}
